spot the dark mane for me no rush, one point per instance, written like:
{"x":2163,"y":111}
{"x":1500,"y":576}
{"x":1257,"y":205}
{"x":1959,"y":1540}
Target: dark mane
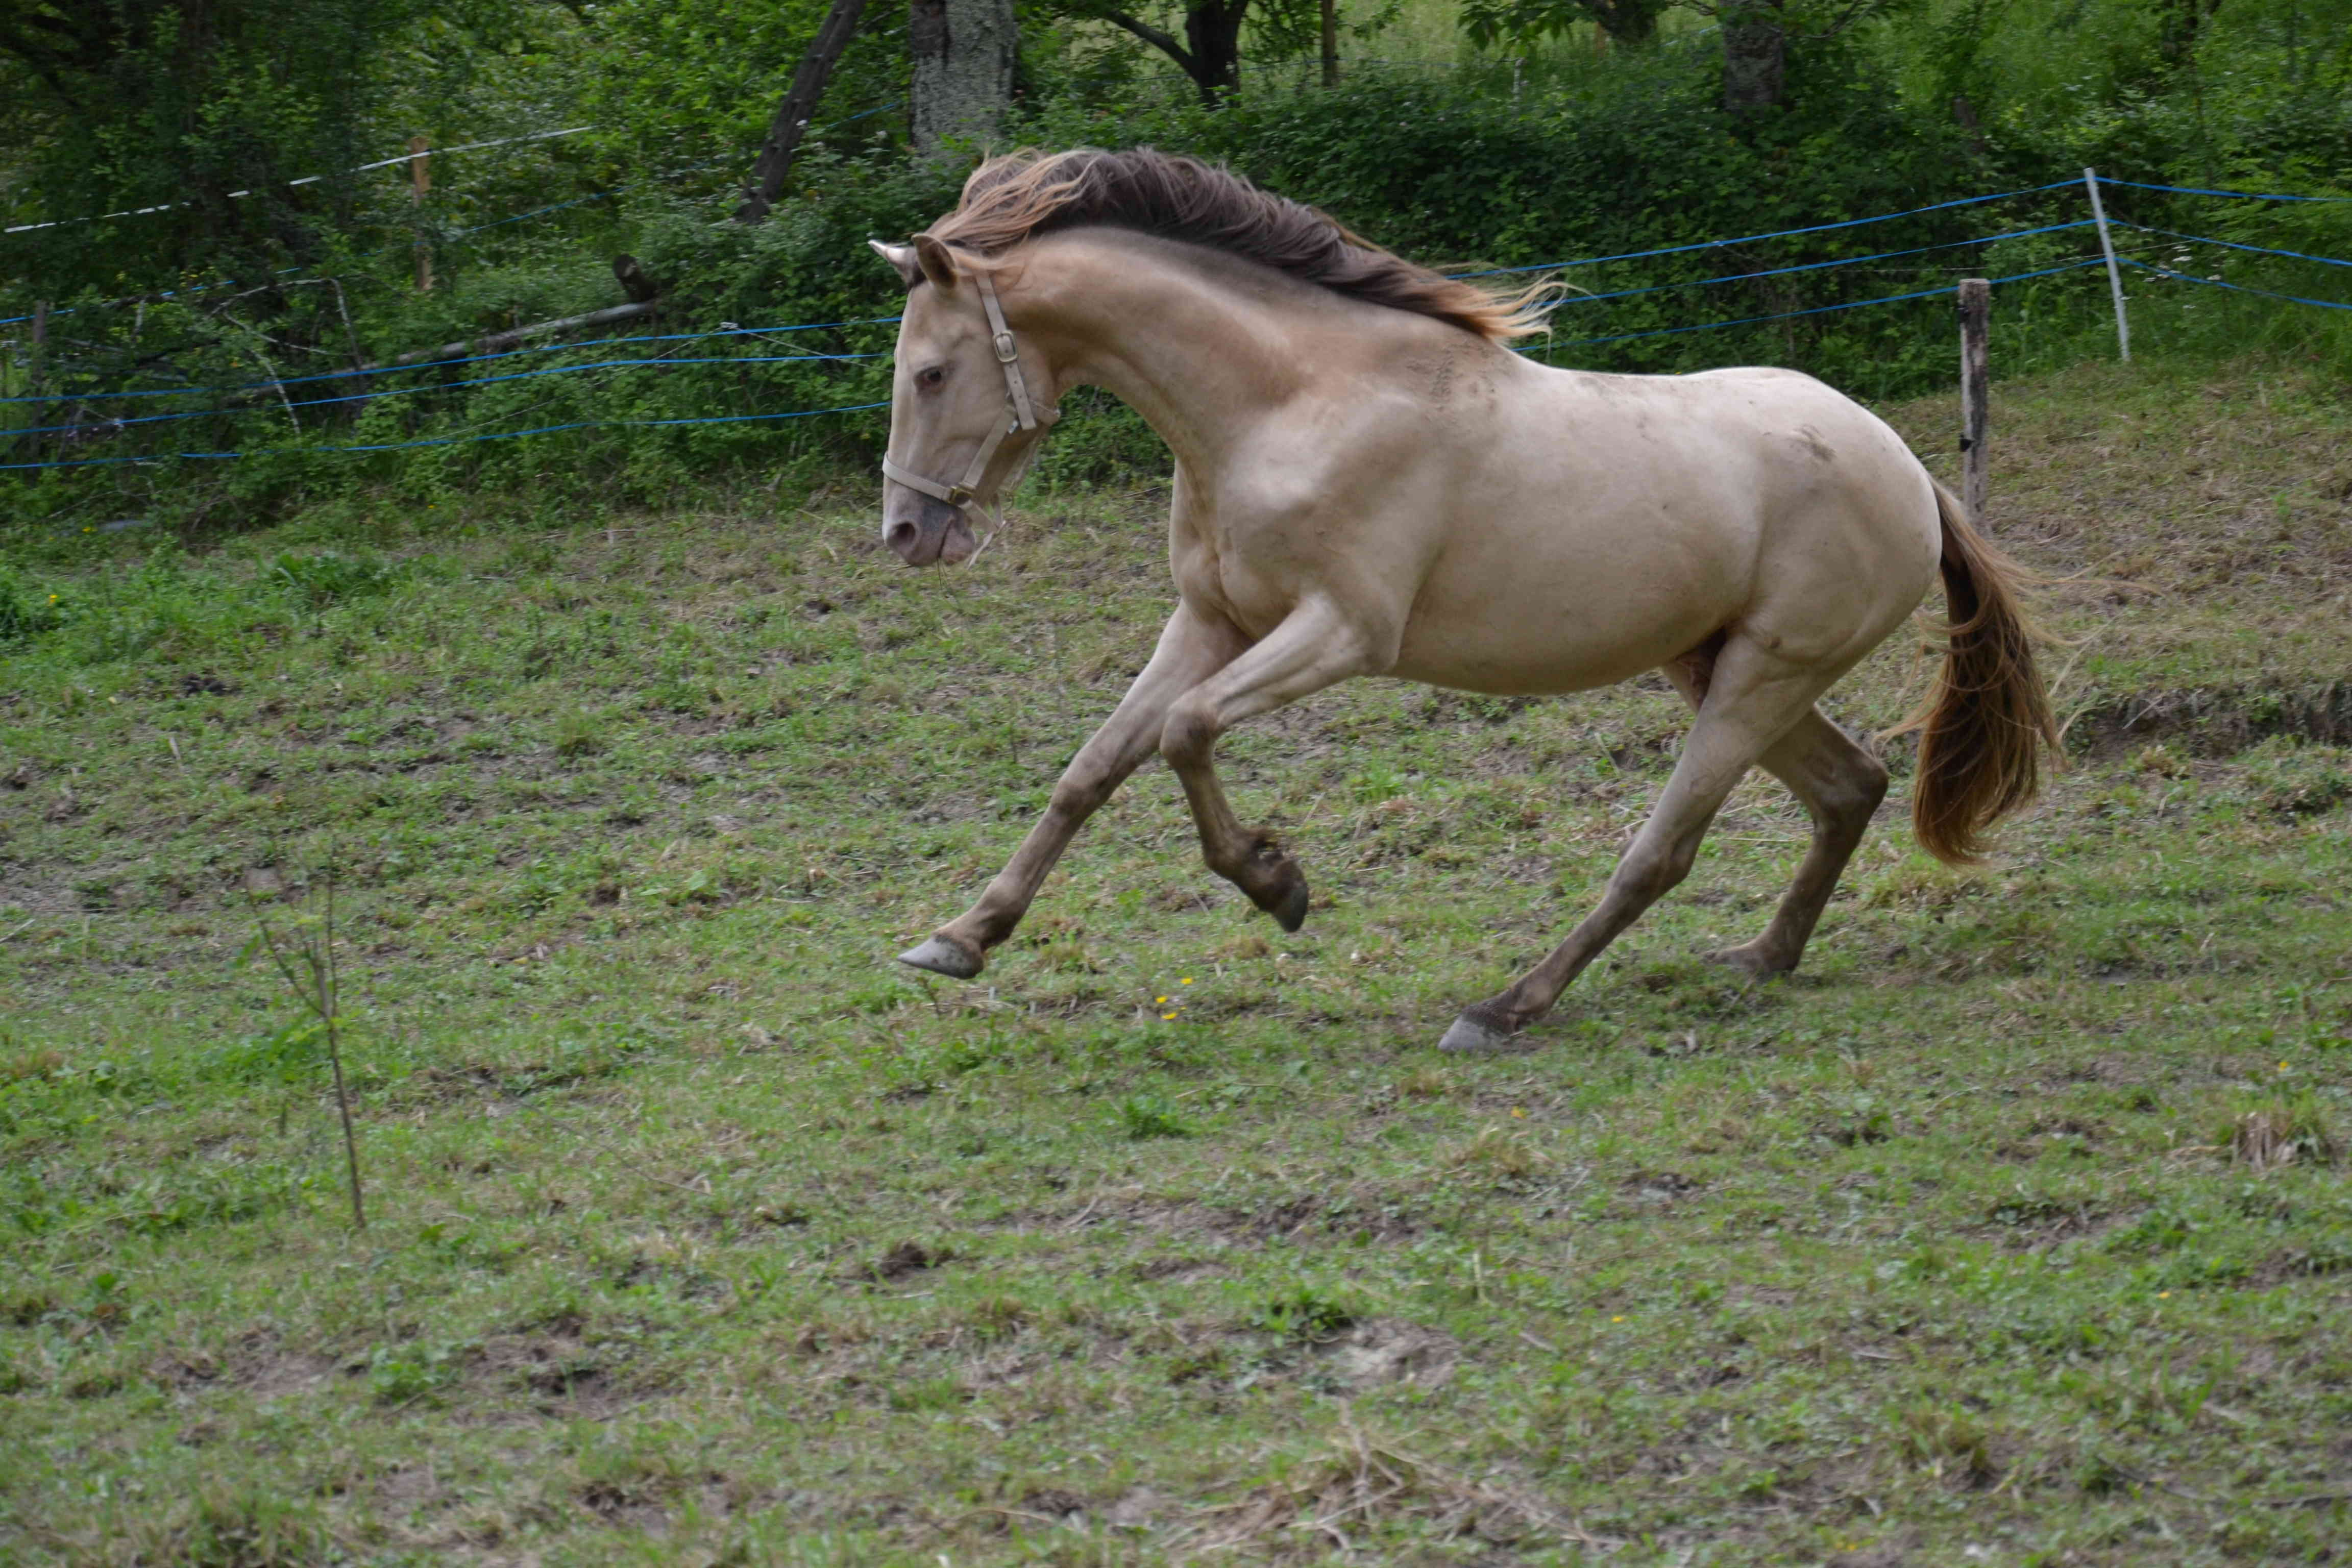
{"x":1026,"y":194}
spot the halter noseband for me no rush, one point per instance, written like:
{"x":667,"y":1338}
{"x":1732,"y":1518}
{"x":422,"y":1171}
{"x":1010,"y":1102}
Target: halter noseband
{"x":1025,"y":416}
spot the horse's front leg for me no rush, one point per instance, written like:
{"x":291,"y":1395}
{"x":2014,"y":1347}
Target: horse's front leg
{"x":1317,"y":646}
{"x":1192,"y":648}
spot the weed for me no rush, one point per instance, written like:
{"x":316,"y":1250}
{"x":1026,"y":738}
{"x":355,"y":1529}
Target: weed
{"x":1947,"y":1442}
{"x":1144,"y":1116}
{"x":1303,"y":1315}
{"x":2281,"y":1134}
{"x":305,"y":959}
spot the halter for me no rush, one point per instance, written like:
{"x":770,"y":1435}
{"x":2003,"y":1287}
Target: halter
{"x":1025,"y":416}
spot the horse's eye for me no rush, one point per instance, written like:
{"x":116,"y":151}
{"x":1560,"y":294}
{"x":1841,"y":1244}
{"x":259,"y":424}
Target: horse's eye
{"x":931,"y":377}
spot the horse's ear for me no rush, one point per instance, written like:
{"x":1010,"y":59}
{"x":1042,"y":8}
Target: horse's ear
{"x":902,"y":256}
{"x":938,"y":262}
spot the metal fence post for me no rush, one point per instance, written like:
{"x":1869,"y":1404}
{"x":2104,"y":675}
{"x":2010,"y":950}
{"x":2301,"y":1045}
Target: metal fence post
{"x":2114,"y":273}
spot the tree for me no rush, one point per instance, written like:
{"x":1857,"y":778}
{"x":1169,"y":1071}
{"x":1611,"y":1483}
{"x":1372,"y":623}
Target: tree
{"x":197,"y":117}
{"x":1756,"y":36}
{"x":1209,"y":52}
{"x":792,"y":115}
{"x":1755,"y":54}
{"x":963,"y":54}
{"x":1632,"y":22}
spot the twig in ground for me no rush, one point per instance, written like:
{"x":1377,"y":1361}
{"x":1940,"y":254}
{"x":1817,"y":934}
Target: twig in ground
{"x":309,"y":972}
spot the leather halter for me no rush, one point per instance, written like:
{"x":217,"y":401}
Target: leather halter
{"x":1025,"y":416}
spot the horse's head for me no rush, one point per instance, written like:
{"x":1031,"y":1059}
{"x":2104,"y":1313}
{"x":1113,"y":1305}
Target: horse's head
{"x":964,"y":417}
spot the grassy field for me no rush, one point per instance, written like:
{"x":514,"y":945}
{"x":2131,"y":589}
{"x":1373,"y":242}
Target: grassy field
{"x":2013,"y":1230}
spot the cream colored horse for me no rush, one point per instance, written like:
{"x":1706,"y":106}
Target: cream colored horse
{"x":1369,"y":482}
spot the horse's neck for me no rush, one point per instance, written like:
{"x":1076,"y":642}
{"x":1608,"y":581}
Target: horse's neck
{"x":1177,"y":337}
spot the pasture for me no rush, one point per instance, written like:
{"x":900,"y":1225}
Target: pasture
{"x":2013,"y":1229}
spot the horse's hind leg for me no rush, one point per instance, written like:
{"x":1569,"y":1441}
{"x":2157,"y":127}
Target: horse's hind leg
{"x":1840,"y":784}
{"x":1752,"y":699}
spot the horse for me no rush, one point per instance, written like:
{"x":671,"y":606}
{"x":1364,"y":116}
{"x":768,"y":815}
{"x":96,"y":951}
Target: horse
{"x":1370,"y":481}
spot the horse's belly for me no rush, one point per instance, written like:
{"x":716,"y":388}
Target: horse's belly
{"x":1524,"y":627}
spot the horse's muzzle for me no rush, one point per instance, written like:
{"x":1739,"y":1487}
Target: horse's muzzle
{"x":927,"y":530}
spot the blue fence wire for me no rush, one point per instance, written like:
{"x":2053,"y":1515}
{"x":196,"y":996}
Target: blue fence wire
{"x":1940,"y":291}
{"x":2196,"y":190}
{"x":438,"y":364}
{"x":2232,"y":244}
{"x":654,"y":361}
{"x":1943,"y":291}
{"x":2238,"y":287}
{"x":1776,"y":234}
{"x":455,"y":440}
{"x":1811,"y":266}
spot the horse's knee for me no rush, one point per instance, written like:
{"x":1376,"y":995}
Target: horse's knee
{"x":1853,"y":794}
{"x":1077,"y":794}
{"x":1188,"y":734}
{"x":1650,"y":872}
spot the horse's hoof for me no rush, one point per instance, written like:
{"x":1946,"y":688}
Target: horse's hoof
{"x":941,"y":956}
{"x":1468,"y":1036}
{"x":1289,"y":912}
{"x":1750,"y":961}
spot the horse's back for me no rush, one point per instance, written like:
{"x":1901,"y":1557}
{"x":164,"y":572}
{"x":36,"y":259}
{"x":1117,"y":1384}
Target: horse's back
{"x":1608,"y":523}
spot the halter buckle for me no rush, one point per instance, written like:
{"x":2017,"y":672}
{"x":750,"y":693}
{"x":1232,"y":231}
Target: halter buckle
{"x":1005,"y":352}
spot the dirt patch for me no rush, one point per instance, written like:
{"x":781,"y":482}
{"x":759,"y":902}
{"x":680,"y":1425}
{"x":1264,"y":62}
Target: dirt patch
{"x":907,"y":1257}
{"x":260,"y":1366}
{"x":1363,"y":1215}
{"x":2290,"y":1264}
{"x":561,"y":1373}
{"x":1365,"y":1484}
{"x":1659,"y":1186}
{"x":1176,"y":1270}
{"x":2215,"y":721}
{"x":1382,"y":1350}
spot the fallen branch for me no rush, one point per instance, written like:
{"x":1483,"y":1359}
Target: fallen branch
{"x":492,"y":343}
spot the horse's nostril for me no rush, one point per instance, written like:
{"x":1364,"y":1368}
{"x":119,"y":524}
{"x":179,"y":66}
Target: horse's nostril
{"x":900,"y":536}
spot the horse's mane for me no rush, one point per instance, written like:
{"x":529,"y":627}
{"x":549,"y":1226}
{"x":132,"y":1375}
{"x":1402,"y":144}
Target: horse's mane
{"x":1029,"y":192}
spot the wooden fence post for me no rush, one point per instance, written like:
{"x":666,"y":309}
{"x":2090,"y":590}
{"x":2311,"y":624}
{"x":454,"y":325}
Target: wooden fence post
{"x":420,"y":180}
{"x":1976,"y":311}
{"x":38,"y":360}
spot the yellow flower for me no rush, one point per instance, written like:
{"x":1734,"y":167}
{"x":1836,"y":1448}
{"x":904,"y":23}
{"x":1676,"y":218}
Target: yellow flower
{"x":1517,"y":1112}
{"x":1165,"y":1017}
{"x":1187,"y":980}
{"x":1617,"y":1320}
{"x":1161,"y":1000}
{"x":2162,"y":1295}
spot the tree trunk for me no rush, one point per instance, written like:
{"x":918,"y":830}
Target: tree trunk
{"x":1213,"y":29}
{"x":1755,"y":54}
{"x":1626,"y":21}
{"x":965,"y":52}
{"x":1332,"y":43}
{"x":792,"y":118}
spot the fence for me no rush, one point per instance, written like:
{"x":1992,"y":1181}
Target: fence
{"x":273,"y":391}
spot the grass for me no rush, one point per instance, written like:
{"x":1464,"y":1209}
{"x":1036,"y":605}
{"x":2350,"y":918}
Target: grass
{"x":2013,"y":1230}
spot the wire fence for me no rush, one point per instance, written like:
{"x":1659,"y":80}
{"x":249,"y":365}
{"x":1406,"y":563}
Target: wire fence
{"x":271,"y":395}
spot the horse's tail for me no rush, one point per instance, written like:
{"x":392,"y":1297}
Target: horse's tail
{"x":1984,"y":725}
